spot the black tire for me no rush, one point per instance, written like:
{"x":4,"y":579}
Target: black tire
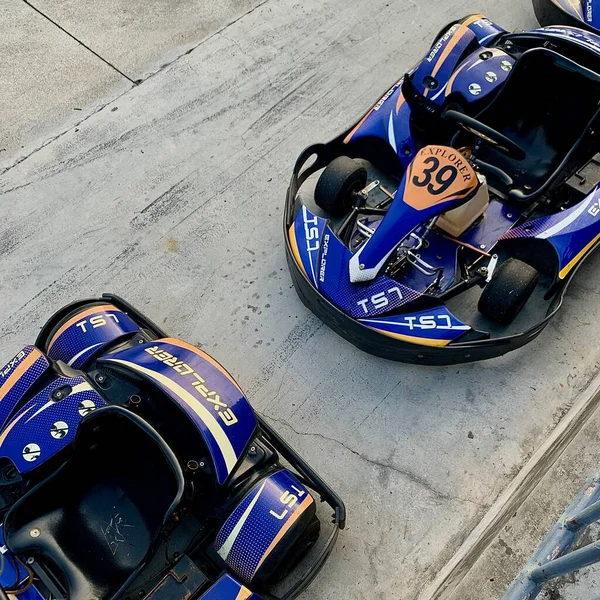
{"x":340,"y":180}
{"x":547,"y":13}
{"x":505,"y":295}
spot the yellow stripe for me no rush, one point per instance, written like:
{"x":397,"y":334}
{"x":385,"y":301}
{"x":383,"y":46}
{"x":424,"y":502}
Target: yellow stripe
{"x":565,"y":270}
{"x":305,"y":504}
{"x":412,"y":339}
{"x":78,"y":317}
{"x":204,"y":356}
{"x":194,"y":403}
{"x":16,"y":374}
{"x":295,"y":251}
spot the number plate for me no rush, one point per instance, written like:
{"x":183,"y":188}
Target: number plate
{"x":438,"y":174}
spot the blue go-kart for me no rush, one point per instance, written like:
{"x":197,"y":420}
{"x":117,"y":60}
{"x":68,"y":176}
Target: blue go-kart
{"x":573,"y":13}
{"x":445,"y":226}
{"x":133,"y":467}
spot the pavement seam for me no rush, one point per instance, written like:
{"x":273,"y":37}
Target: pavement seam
{"x":135,"y":83}
{"x":404,"y":473}
{"x":37,"y":10}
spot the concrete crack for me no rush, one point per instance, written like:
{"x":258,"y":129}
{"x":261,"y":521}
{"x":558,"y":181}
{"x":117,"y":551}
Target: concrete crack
{"x":420,"y":481}
{"x":106,"y":62}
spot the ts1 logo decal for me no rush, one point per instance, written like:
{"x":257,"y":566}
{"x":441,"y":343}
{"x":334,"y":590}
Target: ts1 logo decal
{"x":95,"y":322}
{"x":594,"y":209}
{"x":311,"y":232}
{"x":289,"y":500}
{"x":380,"y":300}
{"x":225,"y":413}
{"x":431,"y":322}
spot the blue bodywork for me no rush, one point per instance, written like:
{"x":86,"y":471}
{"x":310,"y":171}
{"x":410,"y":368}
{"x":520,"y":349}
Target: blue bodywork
{"x":464,"y":66}
{"x":241,"y":511}
{"x":45,"y":425}
{"x":262,"y":518}
{"x":86,"y":334}
{"x":18,"y":376}
{"x":203,"y":390}
{"x":227,"y":588}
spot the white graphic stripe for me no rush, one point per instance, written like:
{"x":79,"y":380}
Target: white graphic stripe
{"x":225,"y":549}
{"x":78,"y":355}
{"x":566,"y":221}
{"x":82,"y":387}
{"x":440,"y":92}
{"x":454,"y":327}
{"x":391,"y":133}
{"x":227,"y":451}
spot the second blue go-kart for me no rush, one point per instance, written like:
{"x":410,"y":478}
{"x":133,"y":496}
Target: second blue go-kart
{"x":583,"y":14}
{"x":133,"y":467}
{"x":445,"y":226}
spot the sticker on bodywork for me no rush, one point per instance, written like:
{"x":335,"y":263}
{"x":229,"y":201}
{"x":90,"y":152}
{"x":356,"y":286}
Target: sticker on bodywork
{"x":203,"y":389}
{"x":88,"y":332}
{"x":48,"y":422}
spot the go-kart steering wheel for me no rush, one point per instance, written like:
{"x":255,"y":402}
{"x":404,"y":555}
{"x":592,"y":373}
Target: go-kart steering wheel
{"x":496,"y":139}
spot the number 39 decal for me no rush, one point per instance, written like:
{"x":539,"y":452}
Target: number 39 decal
{"x":438,"y":174}
{"x":444,"y":177}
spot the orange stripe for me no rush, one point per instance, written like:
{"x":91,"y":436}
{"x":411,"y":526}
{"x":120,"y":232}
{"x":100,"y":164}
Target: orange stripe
{"x":77,"y":317}
{"x":295,"y":251}
{"x":472,"y":19}
{"x":243,"y":594}
{"x":16,"y":374}
{"x":456,"y":38}
{"x":412,"y":339}
{"x":454,"y":76}
{"x":401,"y":100}
{"x":305,"y":504}
{"x":349,"y":136}
{"x":201,"y":354}
{"x":9,"y":428}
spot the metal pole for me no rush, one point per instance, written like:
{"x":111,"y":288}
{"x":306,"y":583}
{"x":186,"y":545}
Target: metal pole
{"x":553,"y":557}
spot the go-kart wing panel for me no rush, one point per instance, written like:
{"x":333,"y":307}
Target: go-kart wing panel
{"x":48,"y":422}
{"x":389,"y":119}
{"x":203,"y":389}
{"x":261,"y":521}
{"x":87,"y":332}
{"x":17,"y":376}
{"x":573,"y":232}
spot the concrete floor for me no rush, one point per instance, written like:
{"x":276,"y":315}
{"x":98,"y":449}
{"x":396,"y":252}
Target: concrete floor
{"x":171,"y":195}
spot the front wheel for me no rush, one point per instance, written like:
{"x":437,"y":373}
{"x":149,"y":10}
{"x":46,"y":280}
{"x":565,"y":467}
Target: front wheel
{"x":340,"y":181}
{"x":507,"y":292}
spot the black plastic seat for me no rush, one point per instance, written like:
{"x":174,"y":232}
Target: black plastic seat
{"x":95,"y":521}
{"x":546,"y":105}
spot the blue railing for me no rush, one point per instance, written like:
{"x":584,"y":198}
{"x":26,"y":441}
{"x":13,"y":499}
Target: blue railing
{"x":555,"y":556}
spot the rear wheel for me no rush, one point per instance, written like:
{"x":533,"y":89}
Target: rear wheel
{"x":509,"y":289}
{"x":340,"y":181}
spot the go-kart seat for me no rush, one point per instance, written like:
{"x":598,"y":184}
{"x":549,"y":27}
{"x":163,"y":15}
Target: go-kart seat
{"x":95,"y":521}
{"x":546,"y":105}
